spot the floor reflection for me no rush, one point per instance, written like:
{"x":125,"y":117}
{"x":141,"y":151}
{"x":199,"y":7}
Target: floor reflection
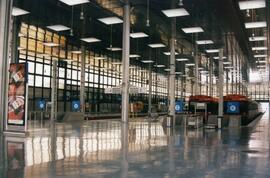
{"x":140,"y":149}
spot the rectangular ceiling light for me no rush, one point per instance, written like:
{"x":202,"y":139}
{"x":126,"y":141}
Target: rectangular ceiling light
{"x":167,"y":70}
{"x":169,"y":53}
{"x":114,"y":49}
{"x":58,"y":28}
{"x":134,"y":56}
{"x":21,"y":48}
{"x":255,"y":24}
{"x":204,"y":42}
{"x":51,"y":44}
{"x":217,"y":57}
{"x":160,"y":65}
{"x":182,"y":59}
{"x":260,"y":61}
{"x":212,"y":50}
{"x":228,"y":67}
{"x":261,"y":66}
{"x":178,"y":73}
{"x":193,"y":30}
{"x":257,"y":38}
{"x":90,"y":40}
{"x":117,"y":63}
{"x":157,"y":45}
{"x":148,"y":61}
{"x":252,"y":4}
{"x":99,"y":58}
{"x":261,"y":48}
{"x":260,"y":55}
{"x":18,"y":12}
{"x":190,"y":64}
{"x":110,"y":20}
{"x":74,"y":2}
{"x":175,"y":12}
{"x":76,"y":52}
{"x":227,"y":62}
{"x":138,"y":35}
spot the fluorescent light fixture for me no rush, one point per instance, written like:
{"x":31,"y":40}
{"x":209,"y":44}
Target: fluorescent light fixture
{"x":175,"y":12}
{"x":193,"y":30}
{"x":260,"y":61}
{"x":90,"y":40}
{"x":212,"y":50}
{"x":255,"y":24}
{"x":110,"y":20}
{"x":190,"y":64}
{"x":99,"y":58}
{"x":182,"y":59}
{"x":167,"y":70}
{"x":227,"y":62}
{"x":261,"y":66}
{"x":156,"y":45}
{"x":76,"y":52}
{"x":21,"y":48}
{"x":203,"y":71}
{"x":74,"y":2}
{"x":58,"y":28}
{"x":200,"y":68}
{"x":68,"y":60}
{"x":159,"y":65}
{"x":148,"y":61}
{"x":204,"y":42}
{"x":51,"y":44}
{"x":217,"y":57}
{"x":169,"y":53}
{"x":257,"y":38}
{"x":228,"y":67}
{"x":114,"y":49}
{"x":260,"y":55}
{"x":178,"y":73}
{"x":252,"y":4}
{"x":138,"y":35}
{"x":117,"y":63}
{"x":134,"y":56}
{"x":261,"y":48}
{"x":18,"y":12}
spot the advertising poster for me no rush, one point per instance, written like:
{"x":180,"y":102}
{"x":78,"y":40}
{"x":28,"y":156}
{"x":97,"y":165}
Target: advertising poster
{"x":17,"y":94}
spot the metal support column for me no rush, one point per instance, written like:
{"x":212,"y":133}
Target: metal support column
{"x":211,"y":76}
{"x":227,"y":82}
{"x":172,"y":71}
{"x":54,"y":92}
{"x":150,"y":91}
{"x":125,"y":62}
{"x":82,"y":84}
{"x":196,"y":91}
{"x":220,"y":87}
{"x":5,"y":17}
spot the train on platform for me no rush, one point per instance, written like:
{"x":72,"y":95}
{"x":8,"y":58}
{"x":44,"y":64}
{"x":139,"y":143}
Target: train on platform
{"x":234,"y":104}
{"x":247,"y":108}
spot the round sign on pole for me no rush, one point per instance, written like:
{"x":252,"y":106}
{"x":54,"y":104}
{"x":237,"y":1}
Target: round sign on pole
{"x":76,"y":106}
{"x":41,"y":104}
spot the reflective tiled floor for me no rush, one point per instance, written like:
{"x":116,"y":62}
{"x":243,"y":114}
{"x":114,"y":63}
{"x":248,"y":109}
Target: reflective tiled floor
{"x":109,"y":149}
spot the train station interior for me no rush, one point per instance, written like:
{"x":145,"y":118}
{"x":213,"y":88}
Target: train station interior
{"x":134,"y":88}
